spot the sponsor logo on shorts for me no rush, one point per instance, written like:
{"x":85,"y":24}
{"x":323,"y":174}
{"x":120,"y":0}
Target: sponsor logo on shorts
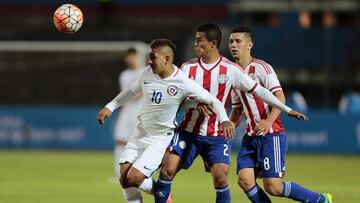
{"x":182,"y":144}
{"x":145,"y":167}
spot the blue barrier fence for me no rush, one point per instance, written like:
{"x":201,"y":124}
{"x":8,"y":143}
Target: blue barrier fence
{"x":53,"y":127}
{"x":76,"y":128}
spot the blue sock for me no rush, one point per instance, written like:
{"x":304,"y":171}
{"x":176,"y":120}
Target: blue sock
{"x":162,"y":190}
{"x":257,"y":195}
{"x":301,"y":194}
{"x":223,"y":194}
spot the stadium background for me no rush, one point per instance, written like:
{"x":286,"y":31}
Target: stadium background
{"x":53,"y":84}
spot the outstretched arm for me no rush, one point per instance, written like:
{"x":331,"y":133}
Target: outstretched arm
{"x":245,"y":83}
{"x":270,"y":99}
{"x":120,"y":99}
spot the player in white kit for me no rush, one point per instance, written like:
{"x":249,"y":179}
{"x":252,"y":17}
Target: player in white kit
{"x":164,"y":89}
{"x":126,"y":122}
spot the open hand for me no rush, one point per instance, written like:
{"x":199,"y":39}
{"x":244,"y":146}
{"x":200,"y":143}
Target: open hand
{"x":228,"y":129}
{"x":262,"y":127}
{"x":298,"y":115}
{"x":204,"y":109}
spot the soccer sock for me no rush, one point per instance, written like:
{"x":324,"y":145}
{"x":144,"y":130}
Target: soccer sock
{"x":147,"y":186}
{"x":132,"y":195}
{"x":257,"y":195}
{"x":223,"y":194}
{"x":117,"y":152}
{"x":162,"y":190}
{"x":298,"y":193}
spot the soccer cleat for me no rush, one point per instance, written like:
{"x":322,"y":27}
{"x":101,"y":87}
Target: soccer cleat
{"x":169,"y":200}
{"x":328,"y":197}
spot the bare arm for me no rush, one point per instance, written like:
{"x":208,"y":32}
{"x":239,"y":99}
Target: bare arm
{"x":275,"y":113}
{"x":236,"y":116}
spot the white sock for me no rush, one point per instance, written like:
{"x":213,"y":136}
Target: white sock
{"x":117,"y":152}
{"x":147,"y":186}
{"x":132,"y":195}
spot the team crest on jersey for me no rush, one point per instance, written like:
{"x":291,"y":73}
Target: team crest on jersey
{"x":172,"y":90}
{"x":222,"y":78}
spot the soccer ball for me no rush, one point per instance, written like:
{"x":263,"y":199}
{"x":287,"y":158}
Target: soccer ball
{"x":68,"y":18}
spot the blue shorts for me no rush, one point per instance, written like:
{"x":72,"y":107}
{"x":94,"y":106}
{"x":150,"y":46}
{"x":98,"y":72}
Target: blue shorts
{"x":212,"y":149}
{"x":264,"y":152}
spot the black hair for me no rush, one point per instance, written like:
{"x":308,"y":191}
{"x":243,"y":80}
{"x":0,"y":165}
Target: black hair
{"x":243,"y":29}
{"x":212,"y":32}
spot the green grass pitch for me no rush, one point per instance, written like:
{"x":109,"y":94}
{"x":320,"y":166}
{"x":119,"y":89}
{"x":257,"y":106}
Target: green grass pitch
{"x":85,"y":177}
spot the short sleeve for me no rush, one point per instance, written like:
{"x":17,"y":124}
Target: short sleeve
{"x":268,"y":78}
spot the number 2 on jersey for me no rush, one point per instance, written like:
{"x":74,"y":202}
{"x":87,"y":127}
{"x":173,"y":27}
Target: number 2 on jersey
{"x":156,"y":97}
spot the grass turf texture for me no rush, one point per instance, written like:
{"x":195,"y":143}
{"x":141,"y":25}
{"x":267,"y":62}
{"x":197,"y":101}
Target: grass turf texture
{"x":85,"y":177}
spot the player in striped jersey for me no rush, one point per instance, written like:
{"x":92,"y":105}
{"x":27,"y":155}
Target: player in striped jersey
{"x":201,"y":135}
{"x":164,"y":88}
{"x":264,"y":144}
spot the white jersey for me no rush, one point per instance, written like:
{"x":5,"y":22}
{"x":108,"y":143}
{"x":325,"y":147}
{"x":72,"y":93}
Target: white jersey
{"x":218,"y":79}
{"x":162,"y":97}
{"x":256,"y":109}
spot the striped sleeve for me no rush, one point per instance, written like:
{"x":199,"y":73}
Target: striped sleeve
{"x":268,"y":78}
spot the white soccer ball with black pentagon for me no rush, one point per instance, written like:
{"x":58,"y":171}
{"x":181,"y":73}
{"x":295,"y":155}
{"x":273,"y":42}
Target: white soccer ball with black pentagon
{"x":68,"y":18}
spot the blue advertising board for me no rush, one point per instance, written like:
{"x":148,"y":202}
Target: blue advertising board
{"x":76,"y":128}
{"x":53,"y":127}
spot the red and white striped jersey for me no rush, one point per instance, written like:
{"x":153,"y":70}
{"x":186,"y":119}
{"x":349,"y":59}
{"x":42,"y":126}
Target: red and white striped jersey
{"x":255,"y":109}
{"x":219,"y":79}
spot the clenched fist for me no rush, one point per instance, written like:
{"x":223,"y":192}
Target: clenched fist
{"x":103,"y":114}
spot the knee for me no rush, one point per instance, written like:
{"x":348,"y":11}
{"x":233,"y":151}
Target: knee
{"x":274,"y":189}
{"x":220,"y":178}
{"x":245,"y":183}
{"x":168,"y":173}
{"x":134,"y":180}
{"x":221,"y":181}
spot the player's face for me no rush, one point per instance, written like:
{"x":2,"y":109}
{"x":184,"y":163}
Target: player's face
{"x":157,"y":61}
{"x":202,"y":45}
{"x":239,"y":44}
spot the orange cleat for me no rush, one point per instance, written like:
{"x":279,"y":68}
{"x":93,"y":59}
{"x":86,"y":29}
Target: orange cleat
{"x":169,"y":200}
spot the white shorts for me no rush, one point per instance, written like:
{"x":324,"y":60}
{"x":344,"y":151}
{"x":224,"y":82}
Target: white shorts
{"x":146,"y":152}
